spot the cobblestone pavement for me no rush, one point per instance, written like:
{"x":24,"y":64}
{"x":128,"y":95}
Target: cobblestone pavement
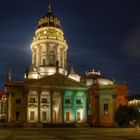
{"x":69,"y":134}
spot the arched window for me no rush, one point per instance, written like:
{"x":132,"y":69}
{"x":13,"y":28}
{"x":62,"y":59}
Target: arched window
{"x":44,"y":62}
{"x":32,"y":115}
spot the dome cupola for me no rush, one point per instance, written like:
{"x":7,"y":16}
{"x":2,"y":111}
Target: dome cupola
{"x":48,"y":46}
{"x":49,"y":20}
{"x":95,"y":78}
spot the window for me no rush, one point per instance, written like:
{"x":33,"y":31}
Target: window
{"x":78,"y":116}
{"x":32,"y":100}
{"x":44,"y":118}
{"x":54,"y":116}
{"x":54,"y":102}
{"x":67,"y":116}
{"x":78,"y":101}
{"x":67,"y":101}
{"x":17,"y":116}
{"x":45,"y":32}
{"x":44,"y":62}
{"x":44,"y":100}
{"x":105,"y":109}
{"x":18,"y":101}
{"x":32,"y":115}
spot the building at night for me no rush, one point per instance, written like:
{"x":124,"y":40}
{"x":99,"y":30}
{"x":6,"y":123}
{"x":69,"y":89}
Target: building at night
{"x":51,"y":94}
{"x":104,"y":97}
{"x":2,"y":106}
{"x":134,"y":100}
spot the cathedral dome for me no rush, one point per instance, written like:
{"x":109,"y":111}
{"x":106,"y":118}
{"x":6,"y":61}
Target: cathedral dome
{"x":48,"y":47}
{"x":95,"y":78}
{"x":103,"y":81}
{"x":49,"y":20}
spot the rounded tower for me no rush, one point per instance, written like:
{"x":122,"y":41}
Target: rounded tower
{"x":48,"y":47}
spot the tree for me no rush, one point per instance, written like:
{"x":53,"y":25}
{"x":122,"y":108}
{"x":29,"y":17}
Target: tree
{"x":124,"y":114}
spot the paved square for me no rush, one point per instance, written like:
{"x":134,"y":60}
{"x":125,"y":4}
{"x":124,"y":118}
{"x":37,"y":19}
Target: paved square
{"x":69,"y":134}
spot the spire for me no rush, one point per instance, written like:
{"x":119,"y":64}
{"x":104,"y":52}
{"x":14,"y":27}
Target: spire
{"x":9,"y":76}
{"x":72,"y":70}
{"x":49,"y":9}
{"x":125,"y":82}
{"x":114,"y":80}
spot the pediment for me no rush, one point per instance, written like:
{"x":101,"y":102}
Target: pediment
{"x":57,"y":80}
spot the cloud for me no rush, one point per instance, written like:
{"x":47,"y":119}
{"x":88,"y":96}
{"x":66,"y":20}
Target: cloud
{"x":131,"y":45}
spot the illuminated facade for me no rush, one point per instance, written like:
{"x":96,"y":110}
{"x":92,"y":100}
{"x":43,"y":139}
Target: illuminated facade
{"x":2,"y":106}
{"x":52,"y":99}
{"x":49,"y":95}
{"x":104,"y":98}
{"x":134,"y":100}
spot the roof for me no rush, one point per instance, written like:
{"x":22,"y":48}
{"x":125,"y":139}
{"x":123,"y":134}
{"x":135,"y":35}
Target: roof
{"x":49,"y":20}
{"x":134,"y":96}
{"x":56,"y":80}
{"x":97,"y":80}
{"x":1,"y":94}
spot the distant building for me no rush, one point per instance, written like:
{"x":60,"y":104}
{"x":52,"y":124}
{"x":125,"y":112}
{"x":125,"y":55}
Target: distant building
{"x":104,"y":98}
{"x":3,"y":106}
{"x":134,"y":100}
{"x":51,"y":95}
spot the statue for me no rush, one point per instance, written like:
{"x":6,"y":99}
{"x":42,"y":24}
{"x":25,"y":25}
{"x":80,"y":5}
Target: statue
{"x":9,"y":76}
{"x":51,"y":58}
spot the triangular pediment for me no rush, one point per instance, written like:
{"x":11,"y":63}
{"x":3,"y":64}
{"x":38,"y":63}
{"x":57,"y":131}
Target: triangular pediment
{"x":56,"y":80}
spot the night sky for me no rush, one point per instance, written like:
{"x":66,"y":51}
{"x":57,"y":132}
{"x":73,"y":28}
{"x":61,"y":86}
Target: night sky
{"x":101,"y":34}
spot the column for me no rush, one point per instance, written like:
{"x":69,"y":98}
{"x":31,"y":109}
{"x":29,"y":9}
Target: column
{"x":62,"y":104}
{"x":26,"y":106}
{"x":85,"y":107}
{"x":37,"y":57}
{"x":74,"y":106}
{"x":39,"y":52}
{"x":97,"y":102}
{"x":114,"y":107}
{"x":32,"y":57}
{"x":7,"y":107}
{"x":12,"y":107}
{"x":51,"y":105}
{"x":39,"y":93}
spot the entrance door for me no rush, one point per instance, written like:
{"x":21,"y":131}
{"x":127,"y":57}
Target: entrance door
{"x":78,"y":116}
{"x":17,"y":116}
{"x":67,"y":116}
{"x":44,"y":116}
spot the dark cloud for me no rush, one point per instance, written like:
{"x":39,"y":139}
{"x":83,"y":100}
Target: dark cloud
{"x":131,"y":45}
{"x":101,"y":35}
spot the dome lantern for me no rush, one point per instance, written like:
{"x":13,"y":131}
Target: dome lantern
{"x":49,"y":9}
{"x":49,"y":20}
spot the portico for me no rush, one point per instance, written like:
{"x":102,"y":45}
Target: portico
{"x":53,"y":104}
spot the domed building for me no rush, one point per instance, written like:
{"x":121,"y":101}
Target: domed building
{"x":48,"y":46}
{"x":49,"y":94}
{"x":105,"y":96}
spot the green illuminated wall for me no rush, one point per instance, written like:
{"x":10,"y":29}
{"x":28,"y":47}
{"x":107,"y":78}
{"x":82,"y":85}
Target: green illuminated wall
{"x":75,"y":107}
